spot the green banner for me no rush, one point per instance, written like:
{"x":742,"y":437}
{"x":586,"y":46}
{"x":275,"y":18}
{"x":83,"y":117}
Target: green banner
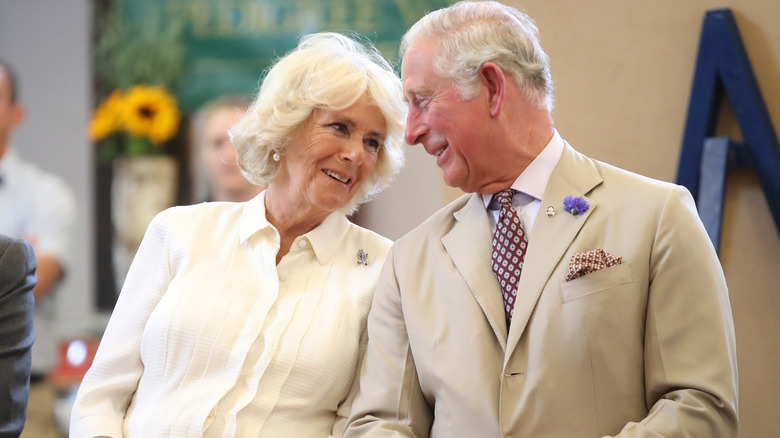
{"x":230,"y":43}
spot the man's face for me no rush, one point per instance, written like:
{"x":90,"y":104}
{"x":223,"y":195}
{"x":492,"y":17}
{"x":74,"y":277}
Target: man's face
{"x":452,"y":130}
{"x":10,"y":112}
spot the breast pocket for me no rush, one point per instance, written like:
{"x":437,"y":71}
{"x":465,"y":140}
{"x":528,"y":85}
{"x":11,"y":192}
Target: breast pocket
{"x":596,"y":282}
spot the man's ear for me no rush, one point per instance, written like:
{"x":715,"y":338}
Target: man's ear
{"x":494,"y":80}
{"x":17,"y":114}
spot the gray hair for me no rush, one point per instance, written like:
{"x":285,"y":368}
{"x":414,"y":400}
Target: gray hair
{"x":326,"y":70}
{"x":472,"y":33}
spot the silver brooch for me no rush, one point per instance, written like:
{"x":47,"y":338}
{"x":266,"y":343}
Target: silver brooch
{"x":362,"y":257}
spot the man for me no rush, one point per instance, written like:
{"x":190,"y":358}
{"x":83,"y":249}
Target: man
{"x":620,"y":324}
{"x":17,"y":279}
{"x":38,"y":207}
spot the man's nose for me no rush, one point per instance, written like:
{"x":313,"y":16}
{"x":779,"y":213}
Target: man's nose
{"x":414,"y":132}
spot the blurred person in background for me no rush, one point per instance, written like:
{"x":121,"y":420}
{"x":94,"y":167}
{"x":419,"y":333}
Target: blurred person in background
{"x":217,"y":175}
{"x":37,"y":206}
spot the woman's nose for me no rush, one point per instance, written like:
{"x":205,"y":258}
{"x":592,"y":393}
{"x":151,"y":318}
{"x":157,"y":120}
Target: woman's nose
{"x":353,"y":150}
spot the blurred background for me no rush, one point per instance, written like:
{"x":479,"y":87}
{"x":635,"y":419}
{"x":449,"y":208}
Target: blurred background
{"x":622,"y":70}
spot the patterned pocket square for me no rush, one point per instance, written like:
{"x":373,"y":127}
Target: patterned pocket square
{"x":584,"y":263}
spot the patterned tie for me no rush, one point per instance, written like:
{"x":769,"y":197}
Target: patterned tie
{"x":509,"y":244}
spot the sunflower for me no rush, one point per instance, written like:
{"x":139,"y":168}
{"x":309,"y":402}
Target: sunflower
{"x":150,"y":112}
{"x":107,"y":118}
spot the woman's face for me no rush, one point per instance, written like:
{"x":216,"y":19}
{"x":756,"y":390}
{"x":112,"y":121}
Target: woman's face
{"x":219,"y":155}
{"x":327,"y":163}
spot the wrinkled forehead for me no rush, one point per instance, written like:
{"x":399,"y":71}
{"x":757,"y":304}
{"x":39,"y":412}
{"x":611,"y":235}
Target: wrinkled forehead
{"x":426,"y":46}
{"x":417,"y":65}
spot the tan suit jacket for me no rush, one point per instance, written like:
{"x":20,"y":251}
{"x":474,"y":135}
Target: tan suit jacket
{"x":642,"y":349}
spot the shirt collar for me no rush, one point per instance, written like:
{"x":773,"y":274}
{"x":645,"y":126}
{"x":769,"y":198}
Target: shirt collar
{"x":324,"y":239}
{"x":253,"y":218}
{"x":533,"y":180}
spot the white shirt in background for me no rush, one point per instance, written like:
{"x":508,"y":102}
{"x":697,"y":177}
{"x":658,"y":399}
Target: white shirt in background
{"x":38,"y":206}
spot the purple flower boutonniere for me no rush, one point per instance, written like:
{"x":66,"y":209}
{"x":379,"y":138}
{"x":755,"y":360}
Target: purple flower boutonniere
{"x":575,"y":206}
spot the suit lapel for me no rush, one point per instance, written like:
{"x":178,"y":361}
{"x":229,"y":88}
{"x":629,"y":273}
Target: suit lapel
{"x":574,"y":175}
{"x":469,"y":245}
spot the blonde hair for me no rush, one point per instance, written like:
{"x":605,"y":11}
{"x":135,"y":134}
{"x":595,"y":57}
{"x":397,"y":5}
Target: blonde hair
{"x":326,"y":70}
{"x":472,"y":33}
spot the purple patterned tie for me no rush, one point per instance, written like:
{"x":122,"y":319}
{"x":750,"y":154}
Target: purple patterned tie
{"x":509,"y":245}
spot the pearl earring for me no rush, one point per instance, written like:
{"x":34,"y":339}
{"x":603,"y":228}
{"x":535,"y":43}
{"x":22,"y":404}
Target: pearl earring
{"x":276,"y":156}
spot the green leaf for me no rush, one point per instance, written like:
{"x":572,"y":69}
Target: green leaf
{"x":132,"y":51}
{"x":108,"y":149}
{"x":136,"y":146}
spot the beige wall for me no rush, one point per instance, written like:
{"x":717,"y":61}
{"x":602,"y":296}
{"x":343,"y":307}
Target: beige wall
{"x":623,"y":72}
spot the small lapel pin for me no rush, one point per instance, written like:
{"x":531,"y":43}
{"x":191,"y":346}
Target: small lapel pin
{"x":362,"y":257}
{"x":551,"y":211}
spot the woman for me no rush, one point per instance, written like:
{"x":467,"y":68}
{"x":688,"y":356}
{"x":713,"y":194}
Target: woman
{"x":218,"y":177}
{"x":247,"y":319}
